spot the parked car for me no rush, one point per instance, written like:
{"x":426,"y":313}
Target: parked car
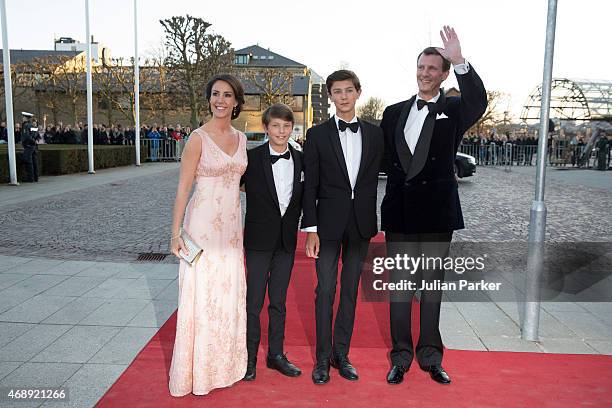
{"x":255,"y":139}
{"x":465,"y":166}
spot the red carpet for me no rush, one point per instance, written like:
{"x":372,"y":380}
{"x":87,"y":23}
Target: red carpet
{"x":480,"y":379}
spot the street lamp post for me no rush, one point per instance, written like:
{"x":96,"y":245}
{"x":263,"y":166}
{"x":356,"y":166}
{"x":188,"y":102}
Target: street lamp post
{"x":537,"y":222}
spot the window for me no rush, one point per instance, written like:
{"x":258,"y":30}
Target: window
{"x":242,"y":59}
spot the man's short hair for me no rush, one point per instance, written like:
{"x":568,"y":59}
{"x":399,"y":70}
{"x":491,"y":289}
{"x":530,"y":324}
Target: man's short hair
{"x":433,"y":51}
{"x":277,"y":111}
{"x":342,"y":75}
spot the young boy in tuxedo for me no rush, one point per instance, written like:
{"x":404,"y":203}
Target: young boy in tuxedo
{"x":273,"y":185}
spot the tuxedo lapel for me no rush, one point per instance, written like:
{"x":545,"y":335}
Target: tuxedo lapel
{"x":365,"y":148}
{"x":421,"y":150}
{"x":334,"y":137}
{"x":297,"y":172}
{"x":441,"y":103}
{"x":403,"y":151}
{"x":268,"y":175}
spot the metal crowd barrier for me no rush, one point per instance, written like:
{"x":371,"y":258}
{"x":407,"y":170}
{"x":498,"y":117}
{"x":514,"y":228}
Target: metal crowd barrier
{"x":507,"y":156}
{"x":162,"y":149}
{"x":511,"y":154}
{"x":492,"y":154}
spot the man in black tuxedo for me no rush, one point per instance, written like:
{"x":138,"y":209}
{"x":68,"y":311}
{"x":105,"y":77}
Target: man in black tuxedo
{"x":421,"y":206}
{"x":341,"y":158}
{"x":273,"y":184}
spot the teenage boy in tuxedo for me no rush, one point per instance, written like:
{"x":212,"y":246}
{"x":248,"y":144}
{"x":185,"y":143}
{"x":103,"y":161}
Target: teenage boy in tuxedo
{"x":341,"y":158}
{"x":273,"y":186}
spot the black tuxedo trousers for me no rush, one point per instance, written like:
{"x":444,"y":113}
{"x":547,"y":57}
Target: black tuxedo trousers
{"x":269,"y":269}
{"x":429,"y":349}
{"x":354,"y":249}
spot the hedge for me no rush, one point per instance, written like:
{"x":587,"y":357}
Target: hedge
{"x":67,"y":159}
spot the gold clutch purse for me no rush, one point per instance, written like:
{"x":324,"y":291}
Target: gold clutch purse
{"x":194,"y":250}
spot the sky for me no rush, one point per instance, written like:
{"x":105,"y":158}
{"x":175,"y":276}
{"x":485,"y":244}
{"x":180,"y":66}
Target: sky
{"x":379,"y":40}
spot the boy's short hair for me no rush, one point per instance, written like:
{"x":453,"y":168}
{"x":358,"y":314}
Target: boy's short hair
{"x":342,"y":75}
{"x":277,"y":111}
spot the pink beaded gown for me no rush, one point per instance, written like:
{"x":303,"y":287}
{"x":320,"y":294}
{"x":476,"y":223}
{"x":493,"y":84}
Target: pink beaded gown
{"x":210,"y":345}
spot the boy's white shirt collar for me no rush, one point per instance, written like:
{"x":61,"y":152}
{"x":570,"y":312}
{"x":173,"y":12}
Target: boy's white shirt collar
{"x":274,"y":152}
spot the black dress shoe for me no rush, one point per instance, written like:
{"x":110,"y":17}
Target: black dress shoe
{"x":345,"y":368}
{"x":280,"y":363}
{"x":438,"y":374}
{"x":320,"y":374}
{"x":396,"y":374}
{"x":251,"y":372}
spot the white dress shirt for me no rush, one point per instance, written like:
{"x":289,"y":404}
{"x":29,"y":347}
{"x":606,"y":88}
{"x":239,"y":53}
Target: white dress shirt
{"x":351,"y":149}
{"x":416,"y":118}
{"x":282,"y":171}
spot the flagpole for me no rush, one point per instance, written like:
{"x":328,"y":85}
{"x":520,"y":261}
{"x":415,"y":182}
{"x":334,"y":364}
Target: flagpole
{"x":8,"y":97}
{"x":136,"y":86}
{"x":90,"y":151}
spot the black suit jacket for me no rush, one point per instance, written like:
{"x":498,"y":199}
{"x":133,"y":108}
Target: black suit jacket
{"x":421,"y":194}
{"x":263,"y":222}
{"x":327,"y":189}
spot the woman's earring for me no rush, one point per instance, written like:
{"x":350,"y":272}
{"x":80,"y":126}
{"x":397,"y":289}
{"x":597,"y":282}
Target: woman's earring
{"x":234,"y":111}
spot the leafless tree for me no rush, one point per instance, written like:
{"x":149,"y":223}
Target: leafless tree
{"x":163,"y":97}
{"x":371,"y":110}
{"x":273,"y":84}
{"x":194,"y":56}
{"x":106,"y":89}
{"x":494,"y":115}
{"x":20,"y":80}
{"x":70,"y":80}
{"x":124,"y":97}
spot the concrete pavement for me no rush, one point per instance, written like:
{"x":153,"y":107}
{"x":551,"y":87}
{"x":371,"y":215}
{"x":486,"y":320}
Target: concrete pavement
{"x":78,"y":323}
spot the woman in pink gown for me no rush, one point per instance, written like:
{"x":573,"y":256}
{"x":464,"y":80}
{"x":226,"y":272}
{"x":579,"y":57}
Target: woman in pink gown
{"x":210,"y":345}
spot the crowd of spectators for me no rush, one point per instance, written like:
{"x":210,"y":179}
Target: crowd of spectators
{"x":491,"y":148}
{"x":501,"y":149}
{"x":102,"y":134}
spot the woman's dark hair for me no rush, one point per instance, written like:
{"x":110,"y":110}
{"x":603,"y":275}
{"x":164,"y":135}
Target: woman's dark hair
{"x":236,"y":86}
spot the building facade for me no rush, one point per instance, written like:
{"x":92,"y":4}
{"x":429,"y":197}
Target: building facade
{"x":269,"y":77}
{"x":52,"y":85}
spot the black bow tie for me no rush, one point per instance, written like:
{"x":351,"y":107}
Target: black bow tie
{"x":276,"y":157}
{"x":430,"y":105}
{"x":342,"y":125}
